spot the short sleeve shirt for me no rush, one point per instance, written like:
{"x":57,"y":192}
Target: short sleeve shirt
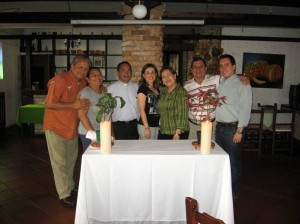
{"x":151,"y":107}
{"x":88,"y":93}
{"x":63,"y":88}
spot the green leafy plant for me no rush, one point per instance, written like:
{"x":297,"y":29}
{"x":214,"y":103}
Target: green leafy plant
{"x":107,"y":103}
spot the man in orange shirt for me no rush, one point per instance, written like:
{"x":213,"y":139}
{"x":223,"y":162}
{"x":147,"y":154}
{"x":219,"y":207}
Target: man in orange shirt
{"x":61,"y":125}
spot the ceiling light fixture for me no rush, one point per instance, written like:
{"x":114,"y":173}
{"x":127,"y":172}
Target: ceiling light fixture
{"x":80,"y":22}
{"x":139,"y":11}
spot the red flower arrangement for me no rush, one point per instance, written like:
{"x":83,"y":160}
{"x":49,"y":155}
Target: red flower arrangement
{"x":207,"y":101}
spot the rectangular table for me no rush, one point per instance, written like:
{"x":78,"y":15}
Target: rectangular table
{"x":31,"y":114}
{"x":148,"y":180}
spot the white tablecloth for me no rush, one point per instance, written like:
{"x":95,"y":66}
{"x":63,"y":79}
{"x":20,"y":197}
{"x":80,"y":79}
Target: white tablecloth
{"x":147,"y":181}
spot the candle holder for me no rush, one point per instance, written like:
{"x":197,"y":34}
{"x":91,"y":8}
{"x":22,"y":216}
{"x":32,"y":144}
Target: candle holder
{"x":106,"y":104}
{"x":206,"y":133}
{"x":105,"y":136}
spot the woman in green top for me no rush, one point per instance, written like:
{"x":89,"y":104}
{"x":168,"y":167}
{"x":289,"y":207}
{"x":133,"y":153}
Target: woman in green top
{"x":172,"y":107}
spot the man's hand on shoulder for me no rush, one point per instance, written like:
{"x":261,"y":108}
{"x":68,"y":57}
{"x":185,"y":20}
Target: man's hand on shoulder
{"x":81,"y":104}
{"x":244,"y":79}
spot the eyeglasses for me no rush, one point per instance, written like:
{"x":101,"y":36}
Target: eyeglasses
{"x":198,"y":67}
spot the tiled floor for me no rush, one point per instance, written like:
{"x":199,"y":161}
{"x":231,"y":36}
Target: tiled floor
{"x":270,"y":187}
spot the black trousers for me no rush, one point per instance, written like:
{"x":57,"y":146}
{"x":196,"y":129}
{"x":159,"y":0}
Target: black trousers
{"x":184,"y":135}
{"x":125,"y":130}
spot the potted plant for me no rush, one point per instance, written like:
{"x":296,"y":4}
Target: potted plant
{"x":106,"y":103}
{"x":204,"y":101}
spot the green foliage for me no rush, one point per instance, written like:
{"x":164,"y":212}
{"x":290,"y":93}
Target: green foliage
{"x":107,"y":103}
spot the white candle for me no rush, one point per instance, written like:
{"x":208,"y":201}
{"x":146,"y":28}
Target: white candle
{"x":206,"y":132}
{"x":105,"y":136}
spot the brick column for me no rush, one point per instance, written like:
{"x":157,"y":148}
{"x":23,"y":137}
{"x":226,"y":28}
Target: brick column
{"x":143,"y":44}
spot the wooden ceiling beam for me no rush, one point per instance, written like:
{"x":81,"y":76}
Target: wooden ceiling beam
{"x":210,"y":18}
{"x":282,"y":3}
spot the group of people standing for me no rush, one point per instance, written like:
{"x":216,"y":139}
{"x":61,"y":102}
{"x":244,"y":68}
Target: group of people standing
{"x":150,"y":111}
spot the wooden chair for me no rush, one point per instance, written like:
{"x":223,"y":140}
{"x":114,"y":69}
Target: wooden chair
{"x":268,"y":112}
{"x":194,"y":217}
{"x":254,"y":131}
{"x":282,"y":129}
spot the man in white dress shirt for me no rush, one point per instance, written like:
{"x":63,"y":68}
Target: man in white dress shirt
{"x":124,"y":120}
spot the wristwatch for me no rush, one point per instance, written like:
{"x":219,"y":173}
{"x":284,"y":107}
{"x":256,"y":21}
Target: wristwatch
{"x":239,"y":131}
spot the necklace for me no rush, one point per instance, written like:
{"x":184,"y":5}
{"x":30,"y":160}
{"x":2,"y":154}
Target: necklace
{"x":153,"y":89}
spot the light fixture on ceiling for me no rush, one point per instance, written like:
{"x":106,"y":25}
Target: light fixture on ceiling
{"x":111,"y":22}
{"x":141,"y":8}
{"x":139,"y":11}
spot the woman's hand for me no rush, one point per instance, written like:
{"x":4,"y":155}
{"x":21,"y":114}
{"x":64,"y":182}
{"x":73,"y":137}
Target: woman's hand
{"x":147,"y":133}
{"x":103,"y":89}
{"x":176,"y":137}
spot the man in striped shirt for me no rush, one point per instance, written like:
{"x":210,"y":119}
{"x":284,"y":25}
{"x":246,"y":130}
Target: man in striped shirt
{"x":205,"y":82}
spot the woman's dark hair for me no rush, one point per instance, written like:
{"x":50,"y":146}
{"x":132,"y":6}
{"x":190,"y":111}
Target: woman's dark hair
{"x":230,"y":57}
{"x":172,"y":70}
{"x":198,"y":58}
{"x":92,"y":68}
{"x":143,"y":80}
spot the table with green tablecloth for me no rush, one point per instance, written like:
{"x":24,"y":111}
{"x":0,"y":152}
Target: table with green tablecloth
{"x":31,"y":114}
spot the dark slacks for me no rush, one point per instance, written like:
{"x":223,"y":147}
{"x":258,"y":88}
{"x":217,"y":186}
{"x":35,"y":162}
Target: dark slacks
{"x":224,"y":138}
{"x":125,"y":130}
{"x":183,"y":135}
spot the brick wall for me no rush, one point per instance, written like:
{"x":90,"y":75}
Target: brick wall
{"x":143,"y":44}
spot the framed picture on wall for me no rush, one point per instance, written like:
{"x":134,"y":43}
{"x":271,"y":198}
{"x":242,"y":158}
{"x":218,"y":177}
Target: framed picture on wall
{"x":264,"y":70}
{"x":98,"y":61}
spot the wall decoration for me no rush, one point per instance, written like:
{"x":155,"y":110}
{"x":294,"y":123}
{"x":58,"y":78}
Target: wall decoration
{"x":264,"y":70}
{"x":98,"y":61}
{"x":210,"y":51}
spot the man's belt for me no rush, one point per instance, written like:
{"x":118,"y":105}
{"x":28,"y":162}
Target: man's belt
{"x":228,"y":124}
{"x":126,"y":122}
{"x":193,"y":122}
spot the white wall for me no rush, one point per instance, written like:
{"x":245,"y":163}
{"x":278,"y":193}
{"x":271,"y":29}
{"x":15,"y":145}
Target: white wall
{"x":11,"y":83}
{"x":291,"y":50}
